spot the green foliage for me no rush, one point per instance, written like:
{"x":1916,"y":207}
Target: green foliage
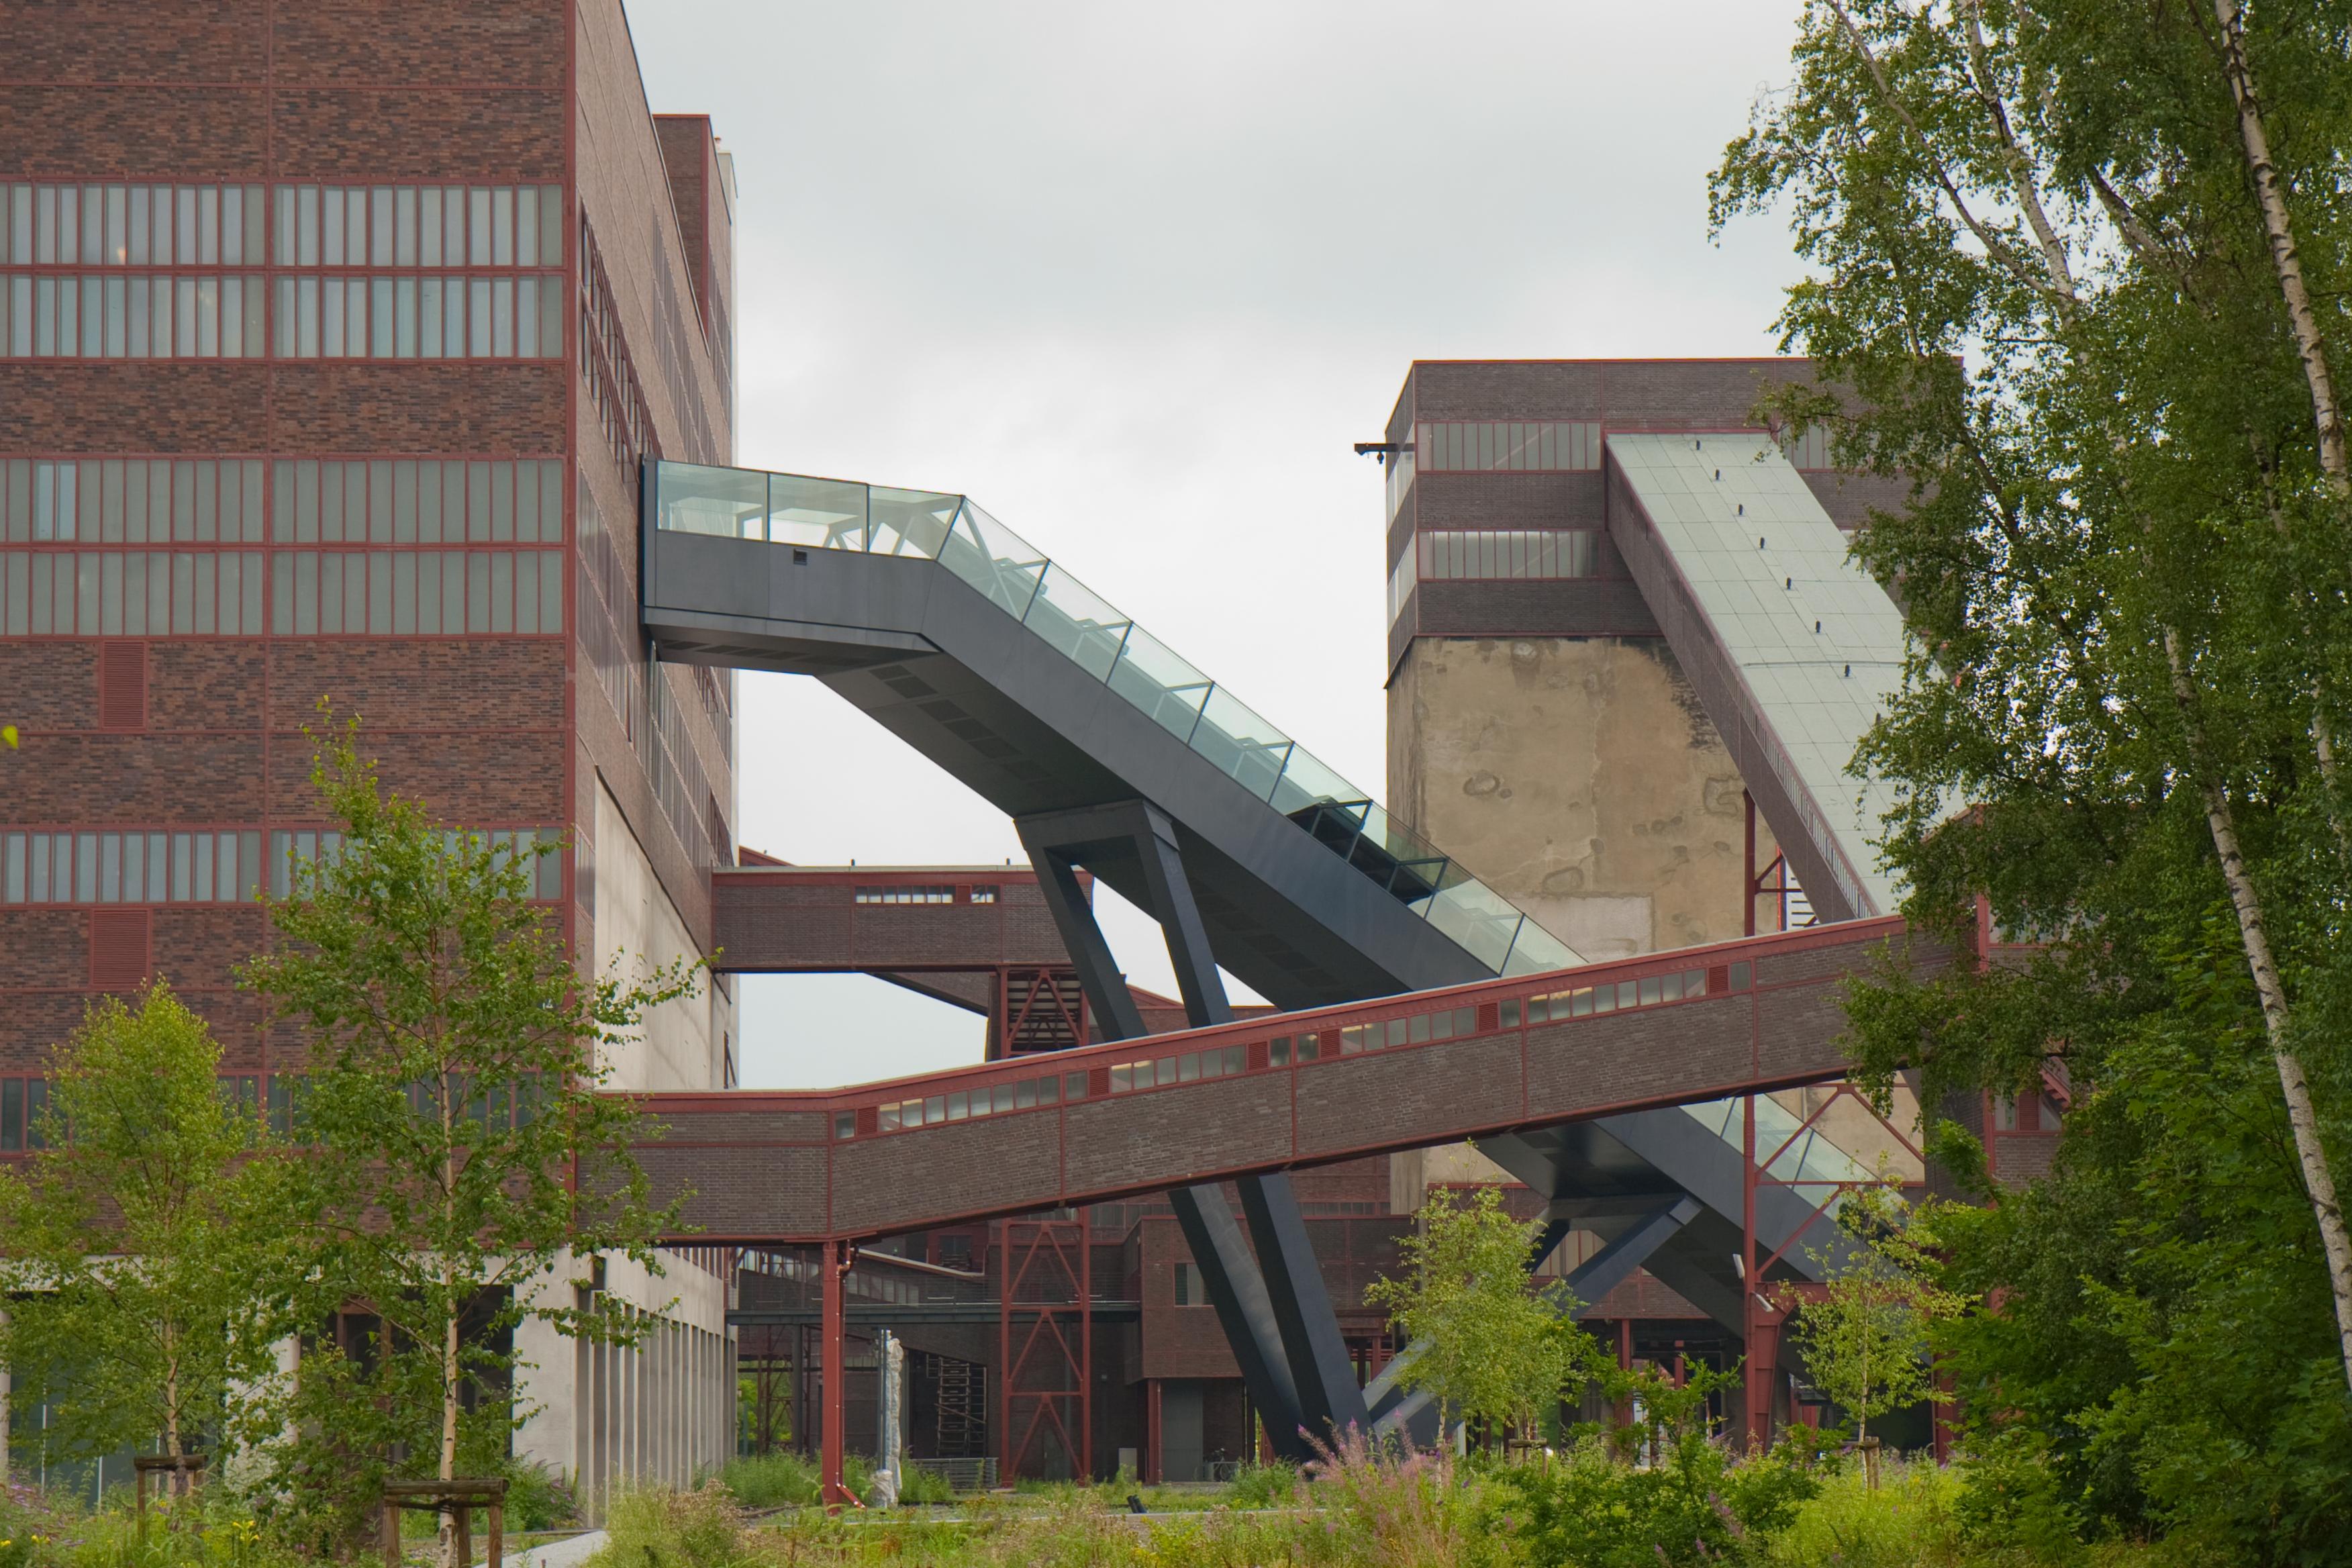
{"x":1866,"y":1338}
{"x":1912,"y":1519}
{"x":1264,"y":1486}
{"x":144,"y":1251}
{"x":917,"y":1486}
{"x":780,"y":1479}
{"x":1591,"y":1509}
{"x":2043,"y":291}
{"x":455,"y":1060}
{"x":538,"y":1497}
{"x":655,"y":1527}
{"x":1486,"y":1347}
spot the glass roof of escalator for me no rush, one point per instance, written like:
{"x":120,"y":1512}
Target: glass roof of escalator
{"x":1055,"y":607}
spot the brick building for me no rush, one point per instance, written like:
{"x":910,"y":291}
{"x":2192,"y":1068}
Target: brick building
{"x":331,"y":339}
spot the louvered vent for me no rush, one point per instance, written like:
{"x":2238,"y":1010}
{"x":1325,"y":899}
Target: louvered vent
{"x":118,"y":949}
{"x":122,"y":686}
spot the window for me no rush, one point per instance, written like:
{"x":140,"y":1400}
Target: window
{"x":609,"y":374}
{"x":1519,"y":447}
{"x":158,"y":316}
{"x":1419,"y":1029}
{"x":1188,"y":1291}
{"x":1550,"y":554}
{"x":932,"y":895}
{"x":22,"y":1102}
{"x":134,"y":500}
{"x":416,"y":593}
{"x":417,"y":502}
{"x":990,"y":1099}
{"x":1584,"y":1001}
{"x":131,"y":225}
{"x":1284,"y":1051}
{"x":984,"y":895}
{"x":116,"y":866}
{"x":537,"y":846}
{"x":417,"y":225}
{"x":1190,"y":1068}
{"x":136,"y":593}
{"x":338,"y":317}
{"x":1808,"y":447}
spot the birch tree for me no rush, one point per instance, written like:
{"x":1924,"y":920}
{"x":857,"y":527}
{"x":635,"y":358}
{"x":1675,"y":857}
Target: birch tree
{"x":2075,"y":269}
{"x":455,"y":1059}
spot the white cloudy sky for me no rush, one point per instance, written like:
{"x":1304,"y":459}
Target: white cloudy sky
{"x":1134,"y":277}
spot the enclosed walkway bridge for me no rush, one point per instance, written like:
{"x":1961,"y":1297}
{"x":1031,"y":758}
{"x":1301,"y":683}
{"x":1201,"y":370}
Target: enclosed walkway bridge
{"x":1117,"y":758}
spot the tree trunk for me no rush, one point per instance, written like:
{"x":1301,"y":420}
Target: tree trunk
{"x":2254,"y":935}
{"x":2284,"y":259}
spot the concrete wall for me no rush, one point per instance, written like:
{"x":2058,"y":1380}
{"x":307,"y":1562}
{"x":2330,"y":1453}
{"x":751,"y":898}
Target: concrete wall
{"x":678,"y":1047}
{"x":1579,"y":778}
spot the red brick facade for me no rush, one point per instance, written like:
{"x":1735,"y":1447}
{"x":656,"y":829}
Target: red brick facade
{"x":489,"y":730}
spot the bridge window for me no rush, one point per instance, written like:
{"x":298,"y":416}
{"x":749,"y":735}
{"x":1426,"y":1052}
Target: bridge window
{"x":991,"y":1099}
{"x":1584,"y":1001}
{"x":1284,"y":1050}
{"x":1417,"y":1030}
{"x":983,"y":894}
{"x":1190,"y":1068}
{"x":906,"y":895}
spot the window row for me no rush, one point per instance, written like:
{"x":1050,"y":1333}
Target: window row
{"x":131,"y":225}
{"x":535,"y":846}
{"x":1512,"y":446}
{"x":415,"y":592}
{"x":131,"y":593}
{"x":1190,"y":1068}
{"x":135,"y":501}
{"x":212,"y":316}
{"x":118,"y":867}
{"x":1453,"y":553}
{"x":1022,"y":1095}
{"x":906,"y":895}
{"x":420,"y":318}
{"x":423,"y":502}
{"x":1417,"y":1030}
{"x":419,"y":226}
{"x":1585,"y":1001}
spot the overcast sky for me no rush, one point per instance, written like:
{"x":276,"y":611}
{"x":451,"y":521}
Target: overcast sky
{"x":1134,"y":277}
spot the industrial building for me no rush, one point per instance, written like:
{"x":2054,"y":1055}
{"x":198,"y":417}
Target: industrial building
{"x":331,"y":343}
{"x":384,"y":358}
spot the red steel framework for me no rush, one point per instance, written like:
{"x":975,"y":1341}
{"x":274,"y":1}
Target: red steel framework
{"x":1045,"y":1340}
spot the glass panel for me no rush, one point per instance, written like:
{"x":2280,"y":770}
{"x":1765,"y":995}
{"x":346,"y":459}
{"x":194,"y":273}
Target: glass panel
{"x":1308,"y":783}
{"x":1538,"y":952}
{"x":992,"y":559}
{"x":1169,"y":691}
{"x":911,"y":523}
{"x":1076,"y":622}
{"x":1480,"y":919}
{"x":729,"y":502}
{"x":1243,"y":746}
{"x":827,"y":514}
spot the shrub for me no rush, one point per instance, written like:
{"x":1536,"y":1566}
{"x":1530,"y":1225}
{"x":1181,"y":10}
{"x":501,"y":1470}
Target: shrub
{"x":1595,"y":1511}
{"x":1264,"y":1486}
{"x":657,"y":1527}
{"x":770,"y":1481}
{"x":539,"y":1498}
{"x":1912,"y":1519}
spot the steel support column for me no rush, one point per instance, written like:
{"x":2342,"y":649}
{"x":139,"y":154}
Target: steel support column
{"x":832,"y":1269}
{"x":1271,"y":1333}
